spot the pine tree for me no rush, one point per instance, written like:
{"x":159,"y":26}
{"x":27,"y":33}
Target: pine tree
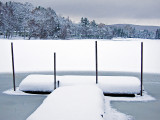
{"x":84,"y":27}
{"x":157,"y":34}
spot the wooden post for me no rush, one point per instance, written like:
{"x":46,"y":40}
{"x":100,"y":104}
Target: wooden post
{"x":13,"y":71}
{"x":54,"y":71}
{"x":141,"y":68}
{"x":58,"y":83}
{"x":96,"y":57}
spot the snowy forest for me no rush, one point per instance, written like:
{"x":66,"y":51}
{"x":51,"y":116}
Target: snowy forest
{"x":27,"y":21}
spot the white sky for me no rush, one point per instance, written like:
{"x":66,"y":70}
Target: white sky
{"x":142,"y":12}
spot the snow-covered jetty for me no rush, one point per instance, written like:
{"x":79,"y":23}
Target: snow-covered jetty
{"x":108,"y":84}
{"x":72,"y":103}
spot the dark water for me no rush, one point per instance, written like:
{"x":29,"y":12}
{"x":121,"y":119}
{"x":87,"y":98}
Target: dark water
{"x":20,"y":107}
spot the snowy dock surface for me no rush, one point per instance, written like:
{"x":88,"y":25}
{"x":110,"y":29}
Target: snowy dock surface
{"x":37,"y":83}
{"x":108,"y":84}
{"x":84,"y":102}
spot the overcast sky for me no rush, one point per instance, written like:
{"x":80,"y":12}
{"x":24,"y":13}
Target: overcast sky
{"x":142,"y":12}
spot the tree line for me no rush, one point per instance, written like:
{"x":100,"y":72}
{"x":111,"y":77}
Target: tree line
{"x":25,"y":20}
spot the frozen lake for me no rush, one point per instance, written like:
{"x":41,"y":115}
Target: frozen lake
{"x":20,"y":107}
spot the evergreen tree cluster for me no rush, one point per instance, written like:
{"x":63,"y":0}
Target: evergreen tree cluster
{"x":25,"y":20}
{"x":158,"y":34}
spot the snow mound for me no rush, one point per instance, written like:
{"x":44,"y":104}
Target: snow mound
{"x":137,"y":98}
{"x":85,"y":102}
{"x":42,"y":83}
{"x":69,"y":80}
{"x":119,"y":84}
{"x":21,"y":93}
{"x":108,"y":84}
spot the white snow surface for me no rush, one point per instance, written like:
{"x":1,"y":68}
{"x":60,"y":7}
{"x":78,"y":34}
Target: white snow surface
{"x":41,"y":83}
{"x":72,"y":103}
{"x":138,"y":98}
{"x":145,"y":98}
{"x":19,"y":92}
{"x":108,"y":84}
{"x":119,"y":84}
{"x":110,"y":113}
{"x":113,"y":114}
{"x":70,"y":80}
{"x":79,"y":55}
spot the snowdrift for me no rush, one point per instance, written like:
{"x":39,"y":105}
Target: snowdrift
{"x":37,"y":83}
{"x":72,"y":103}
{"x":108,"y":84}
{"x":119,"y":85}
